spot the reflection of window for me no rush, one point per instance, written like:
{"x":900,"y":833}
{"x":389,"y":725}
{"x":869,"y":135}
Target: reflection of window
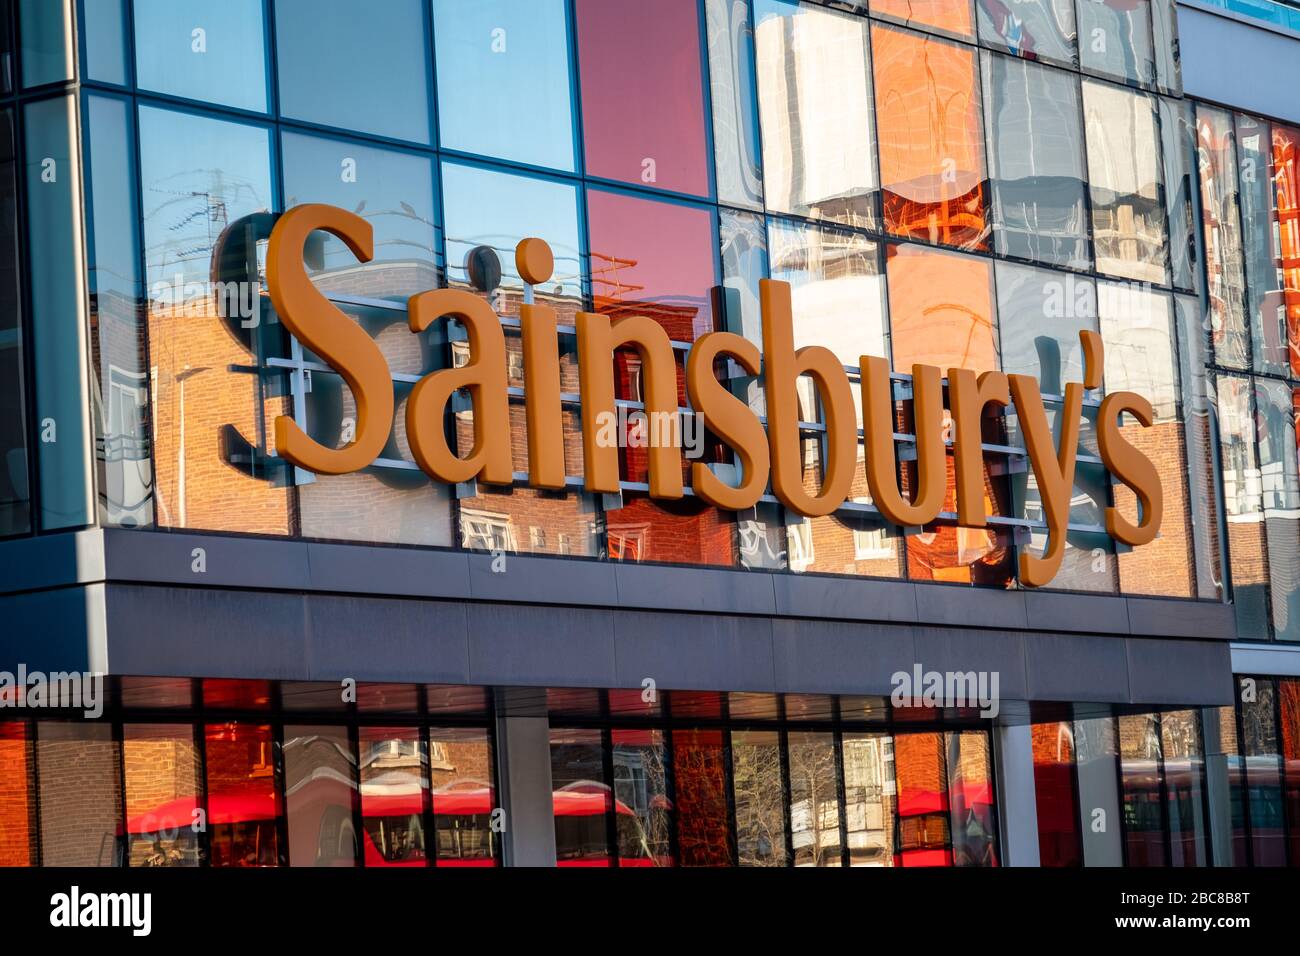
{"x":801,"y":545}
{"x":870,"y":544}
{"x":487,"y":531}
{"x":627,"y":543}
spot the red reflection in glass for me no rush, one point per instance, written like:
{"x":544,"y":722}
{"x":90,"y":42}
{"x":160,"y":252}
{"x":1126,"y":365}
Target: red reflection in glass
{"x":652,"y":258}
{"x":1286,"y":181}
{"x":1289,"y":697}
{"x":643,"y":93}
{"x":243,"y":804}
{"x":931,"y":133}
{"x":699,"y":774}
{"x":17,"y":797}
{"x":922,"y":801}
{"x":1055,"y":794}
{"x":393,"y":796}
{"x":223,"y":694}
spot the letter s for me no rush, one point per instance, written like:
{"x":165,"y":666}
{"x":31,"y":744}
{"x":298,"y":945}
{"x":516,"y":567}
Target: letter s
{"x":730,"y":419}
{"x":328,"y":332}
{"x":1131,"y":467}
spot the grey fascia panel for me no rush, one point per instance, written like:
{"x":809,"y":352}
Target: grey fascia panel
{"x":51,"y":561}
{"x":1179,"y":673}
{"x":826,"y":657}
{"x":961,"y":650}
{"x":398,"y":572}
{"x":556,"y":646}
{"x":861,"y":599}
{"x":693,"y":651}
{"x":226,"y":561}
{"x":666,"y":587}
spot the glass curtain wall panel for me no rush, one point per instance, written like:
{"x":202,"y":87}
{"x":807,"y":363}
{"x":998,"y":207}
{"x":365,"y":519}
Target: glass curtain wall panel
{"x":1128,"y":216}
{"x":15,"y":483}
{"x":815,"y":103}
{"x":505,"y":82}
{"x":1034,"y":126}
{"x":377,"y":75}
{"x":215,"y":52}
{"x":642,"y":72}
{"x":733,"y":96}
{"x":1221,"y":225}
{"x":202,"y":179}
{"x":934,"y":183}
{"x":1265,"y":300}
{"x":1033,"y":29}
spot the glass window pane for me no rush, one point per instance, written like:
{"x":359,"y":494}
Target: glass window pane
{"x":6,"y":51}
{"x":203,"y":51}
{"x":1115,"y":39}
{"x":941,"y":16}
{"x":1137,"y":326}
{"x":971,"y":799}
{"x":58,"y":320}
{"x":1035,"y":130}
{"x":1033,"y":29}
{"x":1178,"y":140}
{"x":1243,"y":505}
{"x":1226,"y":720}
{"x":199,"y":176}
{"x":1286,"y":178}
{"x":759,"y":797}
{"x":17,"y":796}
{"x":504,"y":84}
{"x":1128,"y":220}
{"x":1040,"y":315}
{"x":161,"y":765}
{"x":941,"y":314}
{"x":120,"y":363}
{"x":583,"y":799}
{"x":1289,"y":707}
{"x":732,"y":96}
{"x":1198,"y":427}
{"x":81,"y":800}
{"x":1275,"y":411}
{"x":1056,"y":794}
{"x":940,"y":309}
{"x":932,"y":172}
{"x":394,"y":191}
{"x":1169,"y":68}
{"x":15,"y":494}
{"x":377,"y":80}
{"x":320,"y":786}
{"x":243,"y":800}
{"x":743,"y":238}
{"x":644,"y":819}
{"x":48,"y":41}
{"x":814,"y":800}
{"x":104,"y":27}
{"x":1139,"y":753}
{"x":1264,"y":301}
{"x":814,"y":94}
{"x":464,"y":796}
{"x":486,"y":208}
{"x":643,"y":93}
{"x":869,"y":794}
{"x":394,"y":785}
{"x":1261,"y":747}
{"x":699,"y":776}
{"x":1184,"y":762}
{"x":923,"y":821}
{"x":1224,"y":262}
{"x":837,"y":288}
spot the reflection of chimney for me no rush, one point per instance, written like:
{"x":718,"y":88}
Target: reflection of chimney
{"x":1049,"y":364}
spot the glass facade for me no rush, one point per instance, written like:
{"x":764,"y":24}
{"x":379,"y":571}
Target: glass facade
{"x":228,"y":773}
{"x":946,"y":183}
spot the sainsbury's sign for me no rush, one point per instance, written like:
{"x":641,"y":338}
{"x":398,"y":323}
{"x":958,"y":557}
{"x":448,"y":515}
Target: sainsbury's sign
{"x":765,"y":456}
